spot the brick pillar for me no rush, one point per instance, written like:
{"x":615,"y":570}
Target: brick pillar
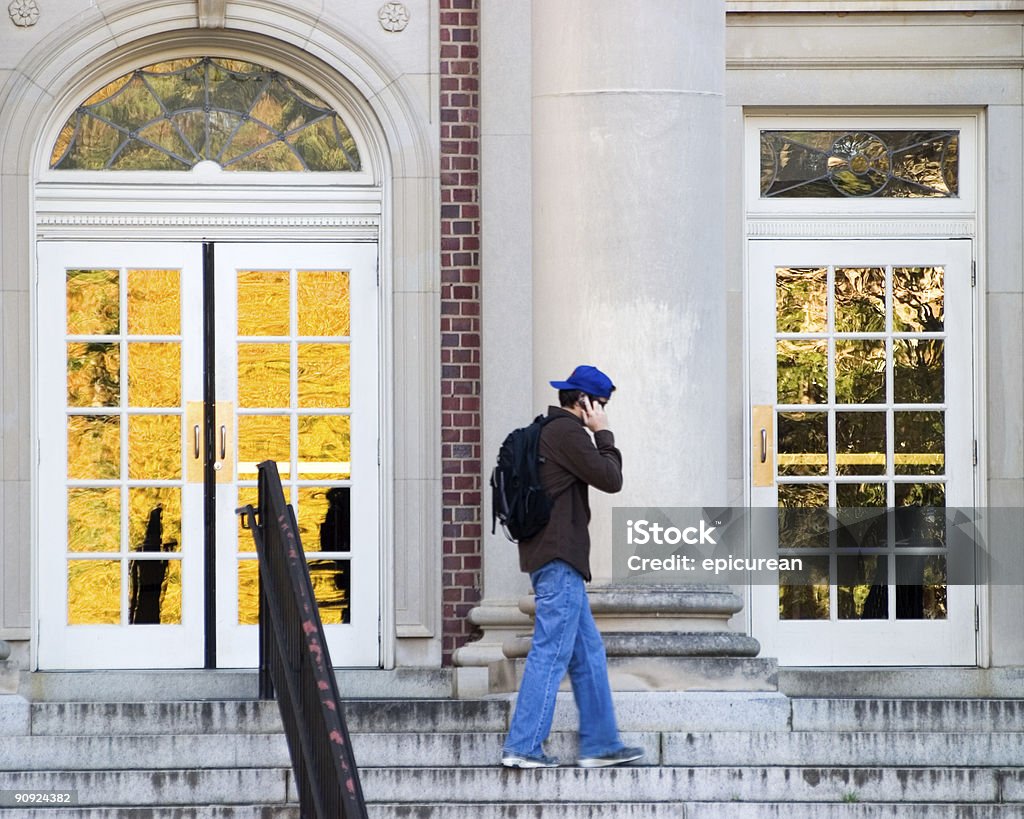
{"x":460,"y":317}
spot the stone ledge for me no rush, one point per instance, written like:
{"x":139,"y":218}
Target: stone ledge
{"x":663,"y":674}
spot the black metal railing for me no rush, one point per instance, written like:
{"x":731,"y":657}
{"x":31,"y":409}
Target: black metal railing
{"x":295,"y":662}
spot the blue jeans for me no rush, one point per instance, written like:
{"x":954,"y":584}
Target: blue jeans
{"x":564,"y":638}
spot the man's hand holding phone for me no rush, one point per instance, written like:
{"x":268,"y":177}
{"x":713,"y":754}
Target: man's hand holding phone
{"x":594,"y":417}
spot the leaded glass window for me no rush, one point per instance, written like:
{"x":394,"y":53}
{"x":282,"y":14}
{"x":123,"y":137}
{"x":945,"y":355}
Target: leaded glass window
{"x":910,"y":164}
{"x":174,"y":114}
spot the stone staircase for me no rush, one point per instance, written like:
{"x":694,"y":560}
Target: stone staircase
{"x":711,"y":755}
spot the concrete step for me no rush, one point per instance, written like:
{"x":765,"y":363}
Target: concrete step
{"x":579,"y":810}
{"x":372,"y":750}
{"x":162,"y":788}
{"x":868,"y":714}
{"x":624,"y":785}
{"x":176,"y":812}
{"x":252,"y":716}
{"x":723,"y":784}
{"x":844,"y":748}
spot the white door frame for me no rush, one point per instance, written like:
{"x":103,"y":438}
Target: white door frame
{"x":51,"y":528}
{"x":777,"y":639}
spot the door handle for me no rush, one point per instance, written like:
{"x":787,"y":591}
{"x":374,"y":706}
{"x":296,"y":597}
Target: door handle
{"x":225,"y":421}
{"x":223,"y":441}
{"x":762,"y":417}
{"x":195,"y":448}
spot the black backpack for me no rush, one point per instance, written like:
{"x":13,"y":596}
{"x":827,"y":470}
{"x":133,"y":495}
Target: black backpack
{"x":518,"y":500}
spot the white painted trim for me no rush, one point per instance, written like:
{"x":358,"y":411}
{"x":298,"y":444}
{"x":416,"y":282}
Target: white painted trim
{"x":848,"y":6}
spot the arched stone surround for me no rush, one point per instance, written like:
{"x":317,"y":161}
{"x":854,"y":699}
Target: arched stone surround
{"x":388,"y":91}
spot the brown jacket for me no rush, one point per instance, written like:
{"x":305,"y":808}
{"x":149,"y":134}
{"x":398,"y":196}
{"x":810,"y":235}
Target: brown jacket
{"x":571,"y":463}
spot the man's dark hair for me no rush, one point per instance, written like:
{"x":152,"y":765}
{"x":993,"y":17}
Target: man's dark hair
{"x":569,"y":398}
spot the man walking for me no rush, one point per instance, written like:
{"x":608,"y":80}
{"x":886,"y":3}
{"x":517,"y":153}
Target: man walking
{"x":557,"y":559}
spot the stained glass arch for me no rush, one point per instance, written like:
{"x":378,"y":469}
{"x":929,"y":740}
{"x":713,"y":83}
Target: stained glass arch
{"x":172,"y":115}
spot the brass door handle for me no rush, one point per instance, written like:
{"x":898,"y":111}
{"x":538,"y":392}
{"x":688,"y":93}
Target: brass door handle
{"x":763,"y":466}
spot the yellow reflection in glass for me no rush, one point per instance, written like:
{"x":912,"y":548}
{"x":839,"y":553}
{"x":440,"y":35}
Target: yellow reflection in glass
{"x":94,"y":374}
{"x":332,"y":582}
{"x":154,"y":518}
{"x":154,"y":374}
{"x":862,"y":592}
{"x":263,"y":438}
{"x":154,"y":447}
{"x":801,"y":371}
{"x":323,"y":303}
{"x":803,"y":443}
{"x":263,"y":302}
{"x":94,"y":592}
{"x":94,"y":447}
{"x":93,"y":302}
{"x":324,"y":517}
{"x":801,"y":300}
{"x":154,"y":592}
{"x":805,"y":595}
{"x":248,"y":592}
{"x":324,"y":377}
{"x":154,"y":302}
{"x":94,"y":520}
{"x":264,"y":375}
{"x":860,"y":300}
{"x":249,"y":496}
{"x":325,"y":447}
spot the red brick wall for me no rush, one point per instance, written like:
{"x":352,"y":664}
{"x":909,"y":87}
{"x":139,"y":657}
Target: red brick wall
{"x":460,"y":316}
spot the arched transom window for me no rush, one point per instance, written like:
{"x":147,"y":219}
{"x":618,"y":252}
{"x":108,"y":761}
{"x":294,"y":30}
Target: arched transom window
{"x":175,"y":114}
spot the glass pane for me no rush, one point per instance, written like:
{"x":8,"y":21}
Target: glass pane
{"x":154,"y":302}
{"x":154,"y":447}
{"x":93,"y":302}
{"x":862,"y":592}
{"x":94,"y":520}
{"x":919,"y":371}
{"x":921,"y":494}
{"x":154,"y":522}
{"x":802,"y":371}
{"x":323,"y":297}
{"x":920,"y":444}
{"x":860,"y":371}
{"x":325,"y":450}
{"x":94,"y":374}
{"x":325,"y":520}
{"x":860,"y":300}
{"x":921,"y":587}
{"x":920,"y":527}
{"x":94,"y":447}
{"x":857,"y":495}
{"x":264,"y":375}
{"x":831,"y":164}
{"x":248,"y":592}
{"x":332,"y":584}
{"x":803,"y":443}
{"x":172,"y":114}
{"x":263,"y":299}
{"x":860,"y":443}
{"x":324,"y":376}
{"x":805,"y":595}
{"x":154,"y":374}
{"x":264,"y":438}
{"x":154,"y":588}
{"x":918,"y":300}
{"x":94,"y":592}
{"x":804,"y":521}
{"x":800,"y":300}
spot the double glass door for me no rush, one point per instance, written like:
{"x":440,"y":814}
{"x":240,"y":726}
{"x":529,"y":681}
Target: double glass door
{"x":148,"y":352}
{"x":862,"y":436}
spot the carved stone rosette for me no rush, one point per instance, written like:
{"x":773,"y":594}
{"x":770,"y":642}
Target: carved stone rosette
{"x":393,"y":16}
{"x":24,"y":13}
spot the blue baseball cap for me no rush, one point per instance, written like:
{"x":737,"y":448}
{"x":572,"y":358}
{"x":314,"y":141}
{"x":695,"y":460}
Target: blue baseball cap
{"x":588,"y":379}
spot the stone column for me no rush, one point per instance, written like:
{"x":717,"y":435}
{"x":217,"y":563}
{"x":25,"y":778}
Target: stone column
{"x":628,"y":274}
